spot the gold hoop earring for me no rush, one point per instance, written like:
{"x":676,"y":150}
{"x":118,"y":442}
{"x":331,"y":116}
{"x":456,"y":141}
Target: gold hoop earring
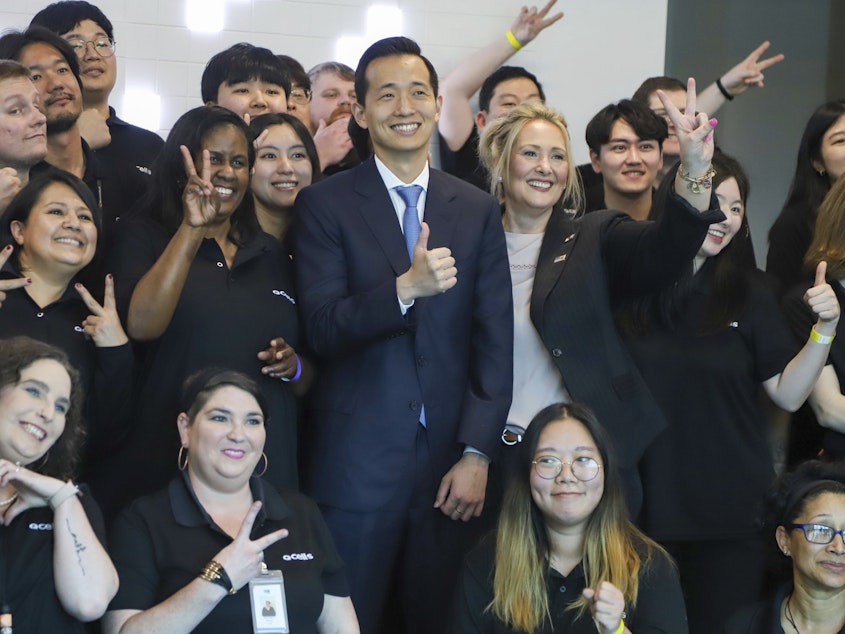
{"x":264,"y":470}
{"x":182,"y":454}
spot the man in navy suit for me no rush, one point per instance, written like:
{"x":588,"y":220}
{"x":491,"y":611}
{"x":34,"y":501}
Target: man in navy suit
{"x":405,"y":291}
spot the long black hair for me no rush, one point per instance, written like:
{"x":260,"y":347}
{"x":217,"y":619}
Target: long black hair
{"x":725,"y":273}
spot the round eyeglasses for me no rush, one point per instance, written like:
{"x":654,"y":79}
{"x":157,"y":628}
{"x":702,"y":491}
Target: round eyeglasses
{"x":104,"y":46}
{"x":583,"y":468}
{"x":300,"y":96}
{"x":819,"y":533}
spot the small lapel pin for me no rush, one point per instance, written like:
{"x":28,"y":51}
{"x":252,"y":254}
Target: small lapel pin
{"x":569,"y":237}
{"x":560,"y":258}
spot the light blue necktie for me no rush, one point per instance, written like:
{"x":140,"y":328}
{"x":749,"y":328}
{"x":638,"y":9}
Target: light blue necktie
{"x":410,"y":194}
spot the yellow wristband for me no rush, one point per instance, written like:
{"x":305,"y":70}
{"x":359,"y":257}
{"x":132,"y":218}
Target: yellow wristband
{"x":512,"y":39}
{"x":819,"y":338}
{"x":621,"y":627}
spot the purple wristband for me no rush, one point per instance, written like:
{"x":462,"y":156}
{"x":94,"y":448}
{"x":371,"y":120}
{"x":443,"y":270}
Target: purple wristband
{"x":298,"y":374}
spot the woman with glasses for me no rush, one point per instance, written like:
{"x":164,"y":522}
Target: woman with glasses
{"x":565,"y":557}
{"x":806,"y":512}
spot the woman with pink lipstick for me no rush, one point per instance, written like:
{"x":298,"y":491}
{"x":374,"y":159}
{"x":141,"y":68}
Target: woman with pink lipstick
{"x":286,"y":161}
{"x":50,"y":234}
{"x":186,"y":553}
{"x":568,"y":271}
{"x":201,"y":284}
{"x":55,"y":573}
{"x":565,"y":558}
{"x":805,"y":513}
{"x":705,"y":349}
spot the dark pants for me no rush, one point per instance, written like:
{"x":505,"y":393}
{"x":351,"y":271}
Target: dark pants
{"x":402,"y":560}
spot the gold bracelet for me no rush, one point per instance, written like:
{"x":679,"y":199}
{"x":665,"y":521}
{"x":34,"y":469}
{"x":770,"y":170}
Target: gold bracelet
{"x":216,"y":574}
{"x":697,"y":184}
{"x":67,"y":491}
{"x":512,"y":39}
{"x":820,"y":338}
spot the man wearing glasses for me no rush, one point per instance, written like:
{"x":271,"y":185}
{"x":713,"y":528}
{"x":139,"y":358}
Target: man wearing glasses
{"x":90,"y":34}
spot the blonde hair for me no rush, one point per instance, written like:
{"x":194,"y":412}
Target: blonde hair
{"x":497,"y":142}
{"x":614,"y":549}
{"x":828,"y":243}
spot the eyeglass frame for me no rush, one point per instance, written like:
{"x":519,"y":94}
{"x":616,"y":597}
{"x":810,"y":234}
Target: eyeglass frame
{"x":803,"y":528}
{"x":78,"y":44}
{"x":305,"y":98}
{"x":571,"y":463}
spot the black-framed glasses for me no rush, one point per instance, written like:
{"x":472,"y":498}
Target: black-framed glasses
{"x":300,"y":95}
{"x":583,"y":468}
{"x":819,"y":533}
{"x":104,"y":46}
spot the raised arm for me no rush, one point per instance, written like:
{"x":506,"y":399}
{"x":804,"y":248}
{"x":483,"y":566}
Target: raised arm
{"x":789,"y":389}
{"x":157,"y":293}
{"x":456,"y":117}
{"x":749,"y":72}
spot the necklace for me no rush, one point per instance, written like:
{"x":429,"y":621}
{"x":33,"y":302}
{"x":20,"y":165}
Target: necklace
{"x":787,"y":612}
{"x":9,"y":501}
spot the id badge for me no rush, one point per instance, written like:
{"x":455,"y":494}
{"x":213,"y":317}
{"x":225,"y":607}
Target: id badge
{"x":267,"y":599}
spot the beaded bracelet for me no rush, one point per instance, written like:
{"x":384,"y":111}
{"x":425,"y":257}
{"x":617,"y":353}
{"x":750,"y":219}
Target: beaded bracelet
{"x":697,"y":184}
{"x":512,"y":39}
{"x":215,"y":573}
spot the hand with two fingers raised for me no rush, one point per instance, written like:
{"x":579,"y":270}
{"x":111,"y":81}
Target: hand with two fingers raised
{"x":242,"y":558}
{"x":531,"y":22}
{"x":13,"y":283}
{"x":103,"y":324}
{"x":432,"y":271}
{"x":200,"y":200}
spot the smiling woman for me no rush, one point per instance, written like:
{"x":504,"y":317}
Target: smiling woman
{"x":51,"y":579}
{"x":201,"y":284}
{"x":50,"y":232}
{"x":218,"y":518}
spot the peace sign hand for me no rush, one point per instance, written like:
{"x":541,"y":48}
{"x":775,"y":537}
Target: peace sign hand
{"x":694,"y":131}
{"x":200,"y":200}
{"x":103,"y":324}
{"x":243,"y":557}
{"x":530,"y":22}
{"x":749,"y":72}
{"x":8,"y":285}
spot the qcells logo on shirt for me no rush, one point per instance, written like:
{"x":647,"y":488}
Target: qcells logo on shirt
{"x":285,"y":295}
{"x":298,"y":557}
{"x":35,"y":526}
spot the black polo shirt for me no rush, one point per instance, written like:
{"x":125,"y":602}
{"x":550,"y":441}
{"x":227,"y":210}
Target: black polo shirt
{"x":162,"y":541}
{"x":27,"y":583}
{"x":465,"y":163}
{"x":130,"y":145}
{"x":107,"y":373}
{"x":224,"y":318}
{"x":705,"y":475}
{"x":660,"y":602}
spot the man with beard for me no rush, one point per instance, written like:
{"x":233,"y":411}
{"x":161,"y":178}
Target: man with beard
{"x":54,"y":69}
{"x":90,"y":33}
{"x":332,"y":96}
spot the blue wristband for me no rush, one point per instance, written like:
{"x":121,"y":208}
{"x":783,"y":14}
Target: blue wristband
{"x":298,"y":374}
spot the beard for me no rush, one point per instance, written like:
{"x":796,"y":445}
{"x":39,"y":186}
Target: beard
{"x":61,"y":123}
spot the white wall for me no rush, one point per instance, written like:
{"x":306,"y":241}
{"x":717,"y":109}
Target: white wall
{"x":598,"y":53}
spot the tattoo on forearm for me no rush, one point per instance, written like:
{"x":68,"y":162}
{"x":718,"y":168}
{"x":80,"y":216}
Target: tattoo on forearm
{"x":78,"y":546}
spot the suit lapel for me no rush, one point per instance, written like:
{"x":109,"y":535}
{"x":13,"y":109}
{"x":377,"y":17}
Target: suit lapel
{"x":379,"y":214}
{"x":558,"y":241}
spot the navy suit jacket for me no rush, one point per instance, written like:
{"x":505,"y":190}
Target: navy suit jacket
{"x":452,"y":352}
